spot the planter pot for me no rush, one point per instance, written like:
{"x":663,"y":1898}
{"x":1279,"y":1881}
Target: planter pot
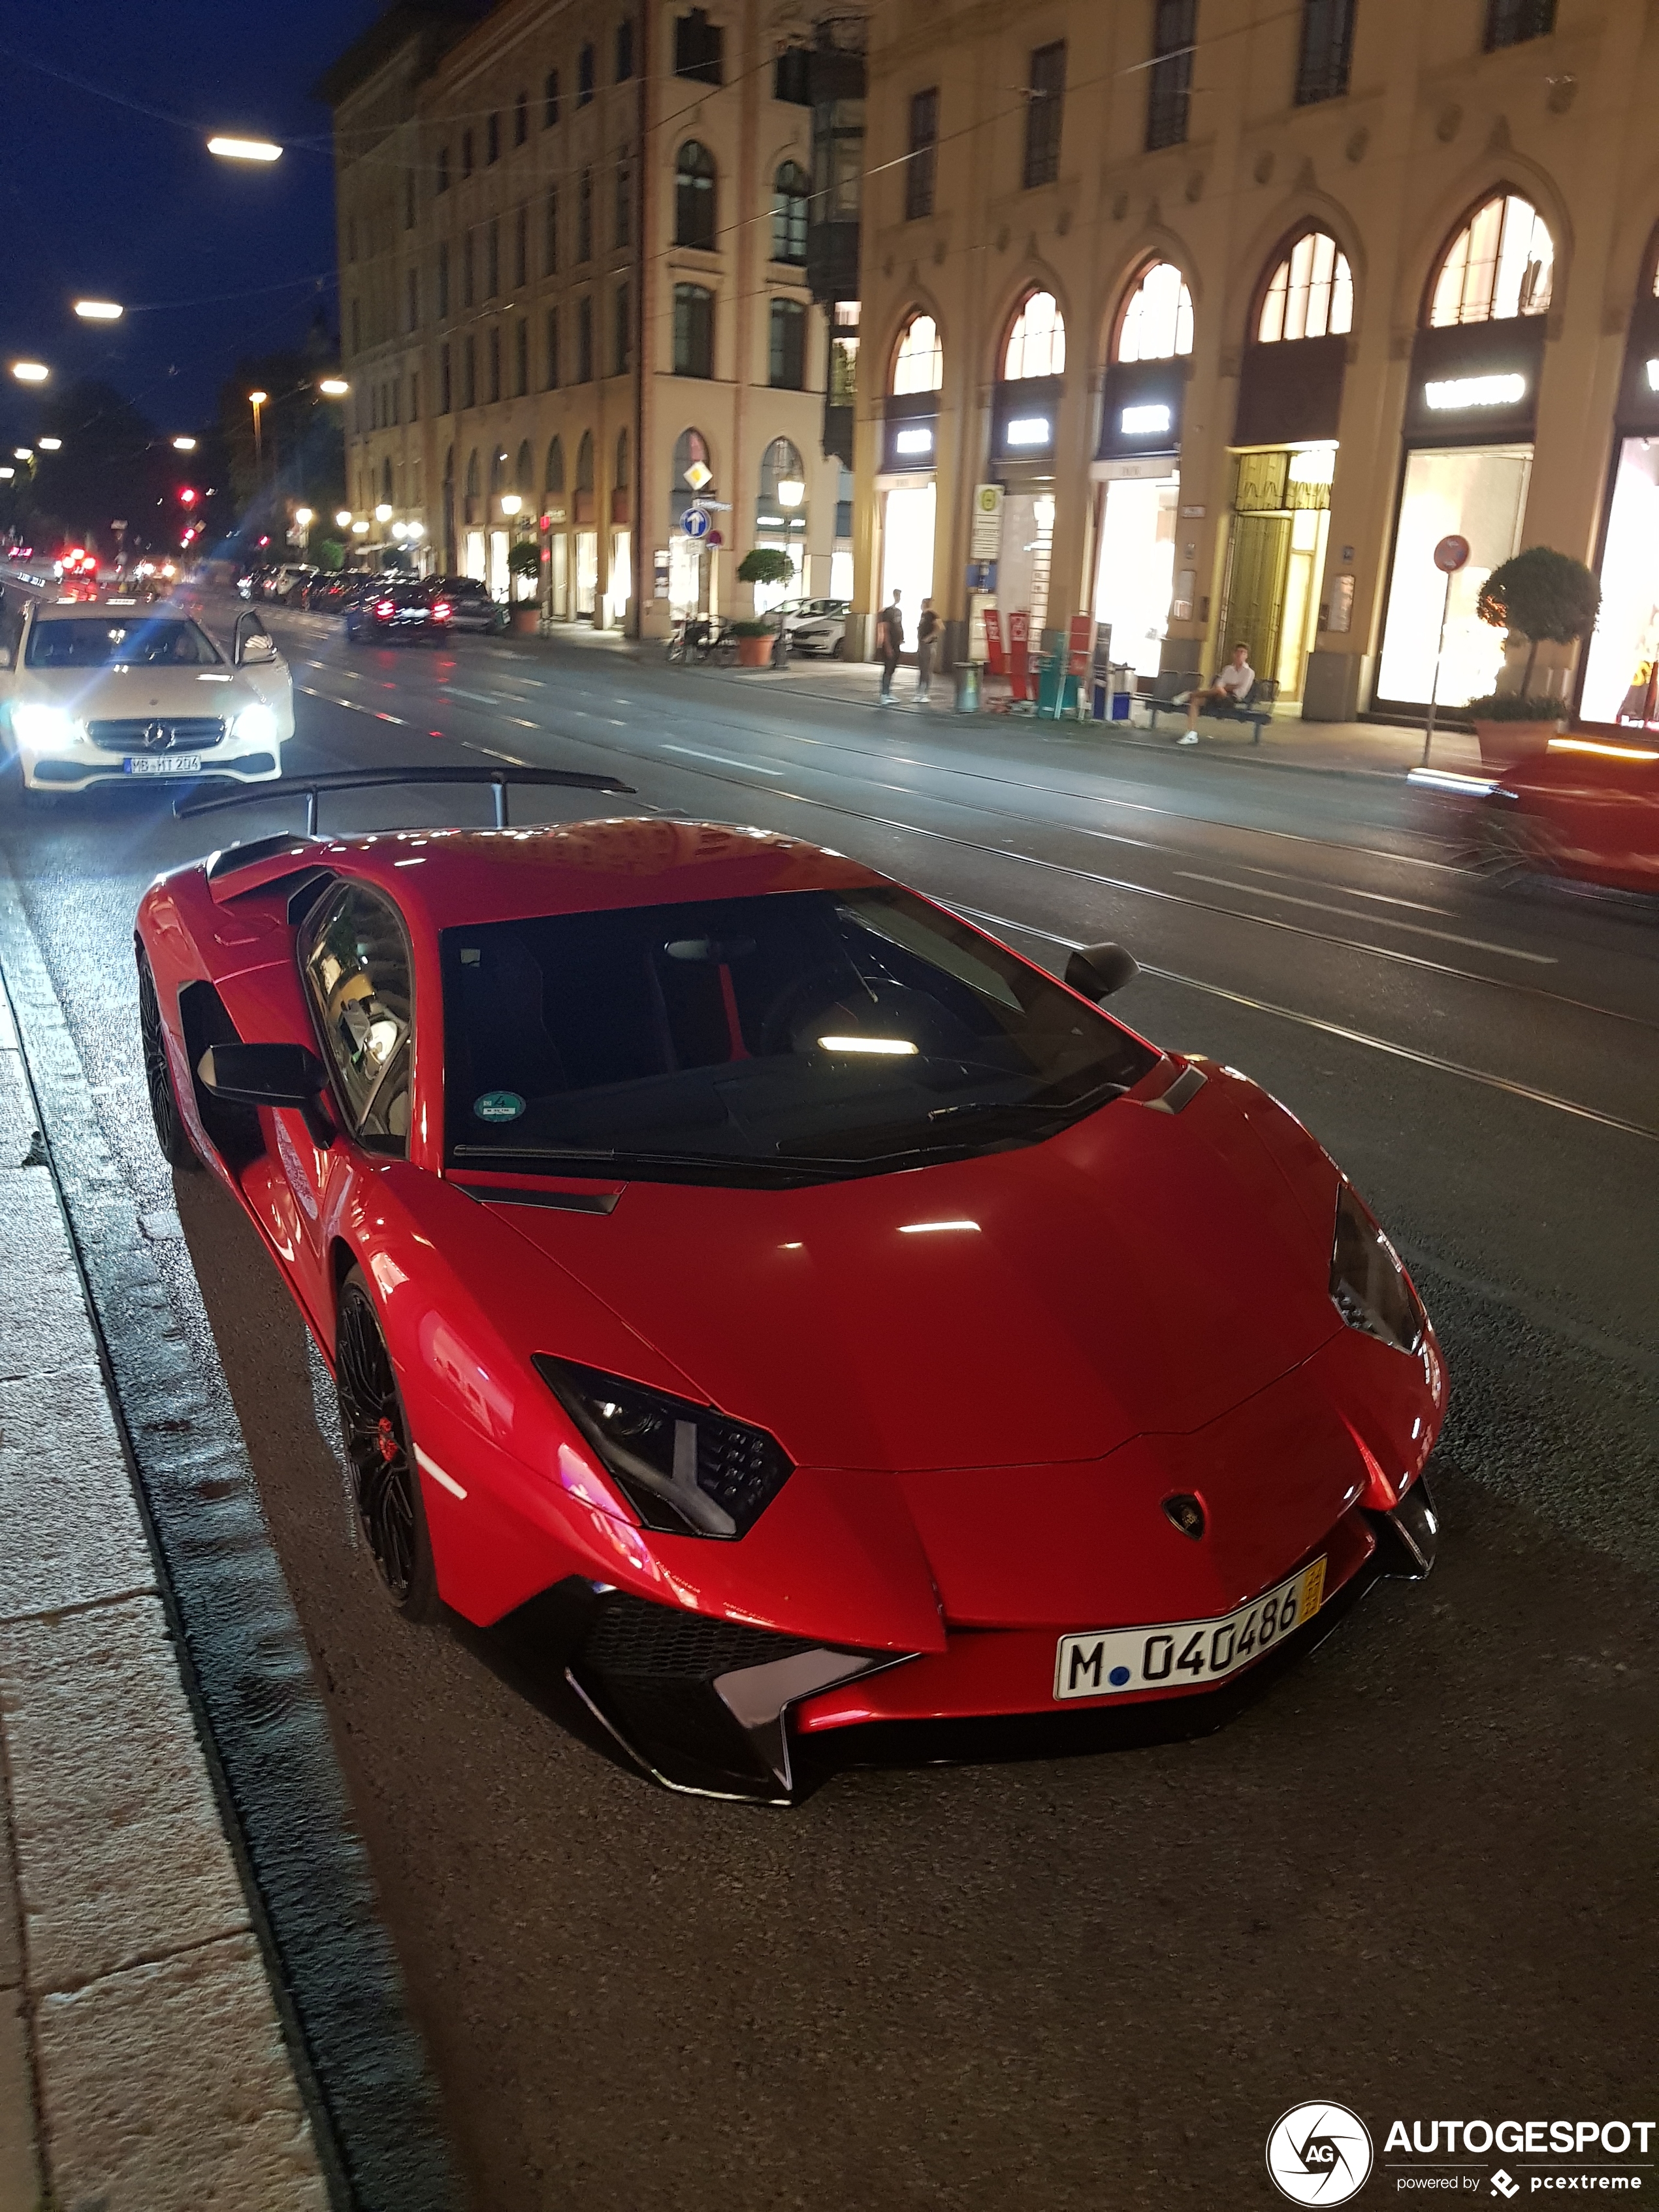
{"x":525,"y":620}
{"x":754,"y":652}
{"x":1504,"y":743}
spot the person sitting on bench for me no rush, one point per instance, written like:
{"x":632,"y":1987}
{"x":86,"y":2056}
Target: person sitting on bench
{"x":1230,"y":688}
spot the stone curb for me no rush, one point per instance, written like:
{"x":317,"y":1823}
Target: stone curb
{"x":143,"y":2064}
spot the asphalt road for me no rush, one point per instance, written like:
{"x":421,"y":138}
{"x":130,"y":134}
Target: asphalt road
{"x":1416,"y":1875}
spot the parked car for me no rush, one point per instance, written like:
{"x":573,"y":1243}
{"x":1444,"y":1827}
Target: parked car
{"x":470,"y":606}
{"x":672,"y":1314}
{"x":816,"y":625}
{"x":331,"y":593}
{"x":386,"y":611}
{"x":251,"y":579}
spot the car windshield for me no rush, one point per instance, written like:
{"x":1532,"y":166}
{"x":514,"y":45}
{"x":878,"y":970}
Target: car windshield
{"x":791,"y":1037}
{"x":121,"y":641}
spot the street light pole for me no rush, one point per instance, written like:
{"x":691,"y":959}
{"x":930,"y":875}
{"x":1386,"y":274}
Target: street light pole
{"x":257,"y":400}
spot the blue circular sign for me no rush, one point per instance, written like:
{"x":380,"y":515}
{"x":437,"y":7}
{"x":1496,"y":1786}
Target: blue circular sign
{"x":498,"y":1106}
{"x":696,"y":522}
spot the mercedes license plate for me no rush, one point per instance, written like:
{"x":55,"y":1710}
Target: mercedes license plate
{"x":1108,"y":1663}
{"x":163,"y":764}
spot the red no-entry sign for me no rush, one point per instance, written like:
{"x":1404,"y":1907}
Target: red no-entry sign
{"x":1451,"y":554}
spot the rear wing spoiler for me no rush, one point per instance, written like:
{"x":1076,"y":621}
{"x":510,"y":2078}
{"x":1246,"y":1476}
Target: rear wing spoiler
{"x":309,"y":787}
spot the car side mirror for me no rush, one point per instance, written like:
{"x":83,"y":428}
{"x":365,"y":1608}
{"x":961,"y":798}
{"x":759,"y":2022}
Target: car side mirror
{"x":269,"y":1075}
{"x":1097,"y":970}
{"x":258,"y":651}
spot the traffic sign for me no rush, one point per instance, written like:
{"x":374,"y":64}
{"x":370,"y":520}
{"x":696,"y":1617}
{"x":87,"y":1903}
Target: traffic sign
{"x":698,"y":475}
{"x":1451,"y":554}
{"x":696,"y":521}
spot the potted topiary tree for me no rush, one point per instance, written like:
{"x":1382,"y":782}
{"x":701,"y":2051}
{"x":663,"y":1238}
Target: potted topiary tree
{"x":764,"y":564}
{"x":524,"y":562}
{"x":1538,"y":594}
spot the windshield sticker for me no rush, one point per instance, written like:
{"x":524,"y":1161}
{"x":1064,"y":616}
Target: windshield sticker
{"x":498,"y":1106}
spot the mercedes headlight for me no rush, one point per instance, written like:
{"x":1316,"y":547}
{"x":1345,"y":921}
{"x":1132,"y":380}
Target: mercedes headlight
{"x":255,"y":725}
{"x":42,"y":728}
{"x":1370,"y":1286}
{"x":683,"y":1467}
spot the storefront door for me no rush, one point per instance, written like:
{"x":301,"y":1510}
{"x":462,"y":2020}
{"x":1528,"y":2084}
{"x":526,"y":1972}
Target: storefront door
{"x":1477,"y":492}
{"x":588,"y":573}
{"x":559,"y":572}
{"x":906,"y":552}
{"x":1135,"y":566}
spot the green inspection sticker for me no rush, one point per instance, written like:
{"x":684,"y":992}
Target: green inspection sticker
{"x":498,"y":1106}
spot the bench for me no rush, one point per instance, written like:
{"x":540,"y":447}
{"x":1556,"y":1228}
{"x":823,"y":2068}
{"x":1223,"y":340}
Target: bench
{"x":1256,"y":708}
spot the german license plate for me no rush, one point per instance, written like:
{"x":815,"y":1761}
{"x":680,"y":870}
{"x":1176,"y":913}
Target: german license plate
{"x":1112,"y":1661}
{"x":163,"y":764}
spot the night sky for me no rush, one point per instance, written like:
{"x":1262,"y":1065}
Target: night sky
{"x":107,"y":189}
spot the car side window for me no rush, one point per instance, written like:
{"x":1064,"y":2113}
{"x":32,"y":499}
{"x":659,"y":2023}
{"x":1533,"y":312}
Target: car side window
{"x":357,"y":971}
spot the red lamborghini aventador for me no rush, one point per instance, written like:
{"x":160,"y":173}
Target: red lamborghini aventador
{"x":797,"y":1308}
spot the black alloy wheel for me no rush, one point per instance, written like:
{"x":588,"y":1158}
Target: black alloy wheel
{"x":176,"y":1147}
{"x":385,"y":1482}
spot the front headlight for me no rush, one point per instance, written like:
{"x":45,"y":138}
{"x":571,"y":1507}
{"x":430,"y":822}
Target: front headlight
{"x":42,"y":727}
{"x":1370,"y":1286}
{"x":683,"y":1467}
{"x":255,"y":725}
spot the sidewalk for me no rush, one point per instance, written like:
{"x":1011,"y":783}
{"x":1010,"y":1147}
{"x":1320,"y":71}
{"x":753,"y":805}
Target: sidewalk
{"x":1336,"y":748}
{"x":142,"y":2067}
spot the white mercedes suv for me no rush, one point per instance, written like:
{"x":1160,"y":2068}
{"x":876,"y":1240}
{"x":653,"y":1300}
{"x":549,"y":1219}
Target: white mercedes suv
{"x":94,"y":691}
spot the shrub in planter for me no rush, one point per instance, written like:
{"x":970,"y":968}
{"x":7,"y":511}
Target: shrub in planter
{"x":1513,"y":725}
{"x":524,"y":563}
{"x":762,"y":627}
{"x":754,"y":643}
{"x":1538,"y":594}
{"x":765,"y":564}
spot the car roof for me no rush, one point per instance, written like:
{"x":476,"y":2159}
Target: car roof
{"x":82,"y":610}
{"x":450,"y":877}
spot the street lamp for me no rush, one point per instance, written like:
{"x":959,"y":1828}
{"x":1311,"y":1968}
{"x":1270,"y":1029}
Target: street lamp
{"x":22,"y":452}
{"x":183,"y":445}
{"x":30,"y":372}
{"x":510,"y":503}
{"x":342,"y":518}
{"x":245,"y":149}
{"x":50,"y":445}
{"x":334,"y":388}
{"x":383,"y":512}
{"x":256,"y":400}
{"x":304,"y":516}
{"x":360,"y":530}
{"x":99,"y":311}
{"x":791,"y":491}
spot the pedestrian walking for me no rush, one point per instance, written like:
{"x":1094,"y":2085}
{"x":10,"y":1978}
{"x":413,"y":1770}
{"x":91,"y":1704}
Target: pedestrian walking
{"x":927,"y":629}
{"x":889,"y":643}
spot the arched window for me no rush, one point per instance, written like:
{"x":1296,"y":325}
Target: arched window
{"x":497,"y":473}
{"x":1036,"y":342}
{"x":1158,"y":319}
{"x":472,"y":485}
{"x":1311,"y":295}
{"x":789,"y":190}
{"x":524,"y":470}
{"x":918,"y":358}
{"x":555,"y":477}
{"x":1499,"y":265}
{"x":694,"y":196}
{"x":690,"y":451}
{"x":621,"y":479}
{"x":781,"y":465}
{"x":585,"y":463}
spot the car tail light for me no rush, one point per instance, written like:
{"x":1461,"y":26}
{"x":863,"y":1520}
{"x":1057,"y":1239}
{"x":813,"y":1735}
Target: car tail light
{"x":441,"y":611}
{"x":383,"y":607}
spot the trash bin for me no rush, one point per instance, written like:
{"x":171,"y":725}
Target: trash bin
{"x":967,"y":676}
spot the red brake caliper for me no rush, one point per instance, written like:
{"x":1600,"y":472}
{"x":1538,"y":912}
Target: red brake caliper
{"x":388,"y":1440}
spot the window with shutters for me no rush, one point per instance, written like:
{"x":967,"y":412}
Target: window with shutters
{"x":1045,"y":107}
{"x":699,"y":48}
{"x":694,"y":331}
{"x":924,"y":154}
{"x":787,"y":364}
{"x":694,"y":196}
{"x":1169,"y":80}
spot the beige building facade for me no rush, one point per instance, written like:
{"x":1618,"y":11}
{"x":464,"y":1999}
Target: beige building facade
{"x":572,"y":245}
{"x":1212,"y":321}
